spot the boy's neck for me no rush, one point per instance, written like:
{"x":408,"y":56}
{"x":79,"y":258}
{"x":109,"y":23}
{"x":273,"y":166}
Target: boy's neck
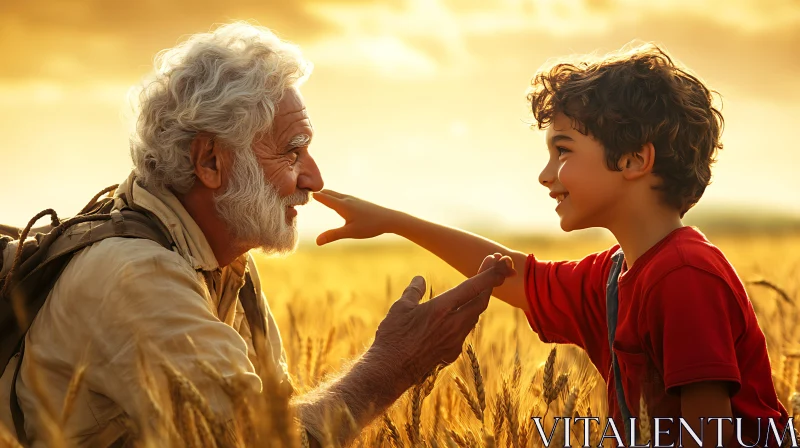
{"x":642,"y":230}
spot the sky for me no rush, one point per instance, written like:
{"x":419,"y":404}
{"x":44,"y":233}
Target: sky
{"x":416,"y":104}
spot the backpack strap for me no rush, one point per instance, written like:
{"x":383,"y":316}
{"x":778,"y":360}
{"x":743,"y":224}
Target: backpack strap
{"x":612,"y":310}
{"x":16,"y":412}
{"x":254,"y":314}
{"x":40,"y":271}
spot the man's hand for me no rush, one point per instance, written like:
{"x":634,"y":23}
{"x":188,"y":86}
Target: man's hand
{"x":412,"y":339}
{"x":362,"y":219}
{"x":418,"y":337}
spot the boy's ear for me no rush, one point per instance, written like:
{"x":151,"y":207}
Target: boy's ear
{"x":638,"y":163}
{"x":208,"y":160}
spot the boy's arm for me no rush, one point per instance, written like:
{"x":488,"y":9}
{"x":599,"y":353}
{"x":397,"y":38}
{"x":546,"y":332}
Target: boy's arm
{"x":461,"y":250}
{"x":703,"y":400}
{"x":563,"y":300}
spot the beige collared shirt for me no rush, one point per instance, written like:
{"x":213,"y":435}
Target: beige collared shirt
{"x":120,"y":291}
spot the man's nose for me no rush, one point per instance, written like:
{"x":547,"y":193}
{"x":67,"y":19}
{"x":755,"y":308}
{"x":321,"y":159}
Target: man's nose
{"x":310,"y":178}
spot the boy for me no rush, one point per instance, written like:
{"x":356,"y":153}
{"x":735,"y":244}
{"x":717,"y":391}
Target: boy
{"x":631,"y":138}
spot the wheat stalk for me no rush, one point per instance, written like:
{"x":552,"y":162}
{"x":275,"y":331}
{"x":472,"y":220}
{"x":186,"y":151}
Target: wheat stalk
{"x":304,"y":442}
{"x":186,"y":390}
{"x":325,"y":349}
{"x":547,"y":379}
{"x":309,"y":353}
{"x":766,"y":283}
{"x":457,"y":438}
{"x":499,"y":418}
{"x":204,"y":430}
{"x":72,"y":393}
{"x":517,"y":372}
{"x":190,"y":434}
{"x":430,"y":381}
{"x":559,"y":386}
{"x":644,"y":421}
{"x":415,"y":411}
{"x":511,"y":411}
{"x":477,"y":377}
{"x":391,"y":429}
{"x":471,"y":401}
{"x":523,"y":435}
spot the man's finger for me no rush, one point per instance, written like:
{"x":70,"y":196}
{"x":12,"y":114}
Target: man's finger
{"x":330,"y":236}
{"x":476,"y":306}
{"x":415,"y":290}
{"x":470,"y":288}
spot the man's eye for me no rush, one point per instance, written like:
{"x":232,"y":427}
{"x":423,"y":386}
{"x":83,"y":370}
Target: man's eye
{"x":294,"y":155}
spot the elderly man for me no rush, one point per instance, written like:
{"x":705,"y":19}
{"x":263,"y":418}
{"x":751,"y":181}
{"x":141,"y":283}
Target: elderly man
{"x":221,"y":156}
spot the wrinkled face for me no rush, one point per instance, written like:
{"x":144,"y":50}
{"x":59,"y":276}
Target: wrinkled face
{"x":268,"y":182}
{"x":585,"y":190}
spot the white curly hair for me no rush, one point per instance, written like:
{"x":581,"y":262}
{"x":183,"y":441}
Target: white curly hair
{"x":227,"y":82}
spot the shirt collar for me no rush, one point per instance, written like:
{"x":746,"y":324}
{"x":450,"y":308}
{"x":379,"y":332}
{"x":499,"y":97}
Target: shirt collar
{"x":189,"y":240}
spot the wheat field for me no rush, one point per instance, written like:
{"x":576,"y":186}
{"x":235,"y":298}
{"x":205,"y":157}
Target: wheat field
{"x":335,"y":296}
{"x":329,"y":301}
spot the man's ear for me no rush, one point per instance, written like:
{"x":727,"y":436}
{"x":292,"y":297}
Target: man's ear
{"x":638,"y":163}
{"x":207,"y":159}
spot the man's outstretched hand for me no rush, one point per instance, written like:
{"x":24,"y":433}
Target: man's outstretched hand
{"x":419,"y":336}
{"x":410,"y":342}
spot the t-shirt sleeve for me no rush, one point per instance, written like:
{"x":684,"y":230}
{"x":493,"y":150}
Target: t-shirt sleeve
{"x":566,"y":300}
{"x":694,"y":319}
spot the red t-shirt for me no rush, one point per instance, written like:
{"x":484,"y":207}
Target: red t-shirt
{"x":684,"y":317}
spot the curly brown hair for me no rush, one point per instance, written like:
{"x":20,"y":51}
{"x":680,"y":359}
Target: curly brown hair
{"x":629,"y":98}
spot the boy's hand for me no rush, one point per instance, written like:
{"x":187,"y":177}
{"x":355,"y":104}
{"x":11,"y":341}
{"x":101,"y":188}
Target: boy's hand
{"x":362,"y":219}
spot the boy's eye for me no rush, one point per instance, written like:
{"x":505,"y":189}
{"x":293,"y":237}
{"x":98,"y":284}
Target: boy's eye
{"x":561,"y":150}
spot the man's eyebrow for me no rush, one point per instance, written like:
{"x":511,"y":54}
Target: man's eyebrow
{"x":298,"y":141}
{"x":557,"y":138}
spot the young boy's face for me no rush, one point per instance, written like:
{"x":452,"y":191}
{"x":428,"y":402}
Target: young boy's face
{"x":577,"y":176}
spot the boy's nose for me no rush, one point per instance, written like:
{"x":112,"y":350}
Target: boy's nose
{"x":546,"y":177}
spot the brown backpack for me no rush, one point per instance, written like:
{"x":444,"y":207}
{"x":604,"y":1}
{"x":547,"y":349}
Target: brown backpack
{"x":32,"y":266}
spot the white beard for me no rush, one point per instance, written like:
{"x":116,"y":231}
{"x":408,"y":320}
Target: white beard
{"x":254,"y":211}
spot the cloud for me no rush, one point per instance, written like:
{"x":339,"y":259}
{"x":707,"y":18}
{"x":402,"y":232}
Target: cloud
{"x":748,"y":45}
{"x":756,"y":63}
{"x":425,"y":28}
{"x":386,"y":56}
{"x":745,"y":44}
{"x":74,"y":40}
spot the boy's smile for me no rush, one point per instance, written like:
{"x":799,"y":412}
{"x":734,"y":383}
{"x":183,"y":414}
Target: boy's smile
{"x":559,"y":197}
